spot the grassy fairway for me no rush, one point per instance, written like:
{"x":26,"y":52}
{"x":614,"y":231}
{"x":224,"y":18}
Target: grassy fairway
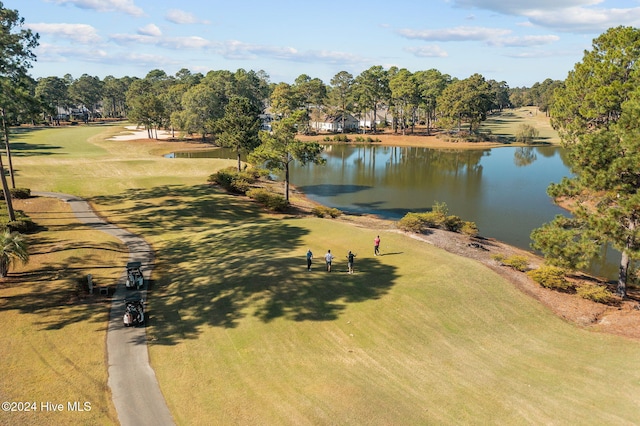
{"x":507,"y":123}
{"x":241,"y":333}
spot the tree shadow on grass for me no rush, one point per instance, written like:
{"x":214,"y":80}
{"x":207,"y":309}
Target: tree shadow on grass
{"x":233,"y":262}
{"x":56,"y":307}
{"x":205,"y":203}
{"x":223,"y":278}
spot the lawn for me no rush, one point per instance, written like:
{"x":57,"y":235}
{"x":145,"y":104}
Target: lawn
{"x":507,"y":122}
{"x":241,"y":333}
{"x":53,"y":341}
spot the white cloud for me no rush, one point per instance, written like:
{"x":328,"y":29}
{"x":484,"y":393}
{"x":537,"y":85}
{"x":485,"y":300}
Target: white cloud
{"x":181,"y":17}
{"x":79,"y":33}
{"x":191,"y":43}
{"x":147,"y":59}
{"x":125,"y":6}
{"x":524,"y":41}
{"x":427,"y":51}
{"x":522,"y":7}
{"x":58,"y":53}
{"x":454,"y":34}
{"x":234,"y":49}
{"x":585,"y":20}
{"x":150,"y":30}
{"x":587,"y":16}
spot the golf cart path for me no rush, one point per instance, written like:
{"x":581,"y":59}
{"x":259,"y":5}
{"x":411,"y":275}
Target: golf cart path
{"x":134,"y":387}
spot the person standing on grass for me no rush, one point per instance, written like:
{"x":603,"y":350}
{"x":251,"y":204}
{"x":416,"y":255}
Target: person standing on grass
{"x":309,"y":258}
{"x":350,"y":258}
{"x":328,"y":258}
{"x":376,"y":245}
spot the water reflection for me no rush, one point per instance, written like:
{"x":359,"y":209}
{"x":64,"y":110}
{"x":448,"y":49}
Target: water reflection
{"x":497,"y":189}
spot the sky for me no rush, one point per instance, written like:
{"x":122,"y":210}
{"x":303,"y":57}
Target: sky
{"x":520,"y":42}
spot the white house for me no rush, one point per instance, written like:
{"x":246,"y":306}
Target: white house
{"x":334,"y":123}
{"x":367,"y":119}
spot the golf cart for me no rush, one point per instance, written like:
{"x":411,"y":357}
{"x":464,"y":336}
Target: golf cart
{"x":134,"y":275}
{"x":133,"y":312}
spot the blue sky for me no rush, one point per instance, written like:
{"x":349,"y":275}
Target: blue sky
{"x":520,"y":42}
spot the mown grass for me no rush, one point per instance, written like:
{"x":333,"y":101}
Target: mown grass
{"x":241,"y":333}
{"x":52,"y":345}
{"x":507,"y":122}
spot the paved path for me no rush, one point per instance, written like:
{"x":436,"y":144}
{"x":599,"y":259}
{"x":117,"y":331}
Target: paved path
{"x":134,"y":387}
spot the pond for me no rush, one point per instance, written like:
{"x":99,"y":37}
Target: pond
{"x":502,"y":190}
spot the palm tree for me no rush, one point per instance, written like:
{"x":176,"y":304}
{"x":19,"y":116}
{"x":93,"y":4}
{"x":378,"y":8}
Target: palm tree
{"x":13,"y":246}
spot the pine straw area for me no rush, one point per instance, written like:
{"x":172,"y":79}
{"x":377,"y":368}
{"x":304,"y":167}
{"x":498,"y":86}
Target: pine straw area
{"x":620,"y":318}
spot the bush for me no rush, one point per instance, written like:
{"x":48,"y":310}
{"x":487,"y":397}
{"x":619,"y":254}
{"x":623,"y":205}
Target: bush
{"x":452,"y":223}
{"x":23,"y":223}
{"x":526,"y":133}
{"x":239,"y":186}
{"x":323,"y":211}
{"x":469,"y":228}
{"x":438,"y":217}
{"x":23,"y":226}
{"x":271,"y":201}
{"x":440,"y":208}
{"x":519,"y":263}
{"x":550,"y":277}
{"x":412,"y":222}
{"x":341,"y":138}
{"x":595,"y":293}
{"x":20,"y":193}
{"x":234,"y":181}
{"x":222,"y":177}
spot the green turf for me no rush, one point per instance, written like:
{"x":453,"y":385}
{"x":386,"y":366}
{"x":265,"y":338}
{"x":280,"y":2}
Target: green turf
{"x":241,"y":333}
{"x":507,"y":123}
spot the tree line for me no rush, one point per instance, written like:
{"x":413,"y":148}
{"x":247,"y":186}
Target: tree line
{"x":192,"y":102}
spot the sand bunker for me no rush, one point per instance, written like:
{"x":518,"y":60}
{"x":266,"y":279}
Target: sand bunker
{"x":134,"y":132}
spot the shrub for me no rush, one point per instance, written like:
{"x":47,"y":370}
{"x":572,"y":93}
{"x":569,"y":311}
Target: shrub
{"x":271,"y":201}
{"x":595,"y":293}
{"x":519,"y":263}
{"x":327,"y":139}
{"x":432,"y":219}
{"x":341,"y":138}
{"x":239,"y":186}
{"x":438,"y":217}
{"x":412,"y":222}
{"x":550,"y":277}
{"x":20,"y":193}
{"x":23,"y":226}
{"x":469,"y":228}
{"x":323,"y":211}
{"x":234,"y":181}
{"x":526,"y":133}
{"x":452,"y":223}
{"x":222,"y":177}
{"x":23,"y":223}
{"x":440,"y":208}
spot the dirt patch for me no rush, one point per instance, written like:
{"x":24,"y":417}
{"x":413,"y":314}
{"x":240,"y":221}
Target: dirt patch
{"x":410,"y":140}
